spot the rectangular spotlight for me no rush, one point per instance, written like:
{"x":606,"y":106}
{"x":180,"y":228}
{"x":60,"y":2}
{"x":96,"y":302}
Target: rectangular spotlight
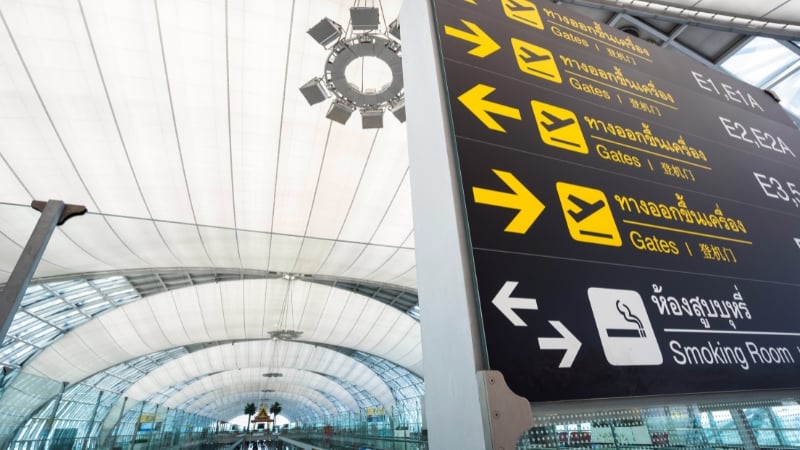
{"x":314,"y":91}
{"x":372,"y":118}
{"x":326,"y":32}
{"x":339,"y":112}
{"x":399,"y":111}
{"x":364,"y":19}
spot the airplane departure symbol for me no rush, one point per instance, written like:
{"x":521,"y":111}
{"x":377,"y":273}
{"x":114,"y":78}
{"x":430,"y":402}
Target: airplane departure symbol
{"x":588,"y":215}
{"x":587,"y":209}
{"x":559,"y":127}
{"x":535,"y":60}
{"x":523,"y":11}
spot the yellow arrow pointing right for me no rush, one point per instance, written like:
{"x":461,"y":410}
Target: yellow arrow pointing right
{"x":522,"y":199}
{"x":475,"y":101}
{"x":485,"y":44}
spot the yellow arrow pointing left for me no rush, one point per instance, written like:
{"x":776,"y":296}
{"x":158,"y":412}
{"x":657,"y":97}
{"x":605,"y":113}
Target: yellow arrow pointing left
{"x":521,"y":199}
{"x":485,"y":44}
{"x":475,"y":101}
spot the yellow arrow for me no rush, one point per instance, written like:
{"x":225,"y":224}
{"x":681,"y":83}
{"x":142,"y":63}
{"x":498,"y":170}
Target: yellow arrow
{"x":471,"y":1}
{"x":522,"y":199}
{"x":485,"y":44}
{"x":475,"y":101}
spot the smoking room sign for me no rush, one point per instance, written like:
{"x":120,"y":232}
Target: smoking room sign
{"x":634,"y":216}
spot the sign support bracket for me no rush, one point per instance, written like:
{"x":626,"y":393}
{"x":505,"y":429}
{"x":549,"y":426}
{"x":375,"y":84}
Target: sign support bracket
{"x":507,"y":414}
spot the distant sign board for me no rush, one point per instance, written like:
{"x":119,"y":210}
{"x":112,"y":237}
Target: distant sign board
{"x":634,"y":216}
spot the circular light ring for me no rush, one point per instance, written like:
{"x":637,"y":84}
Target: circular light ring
{"x":361,"y":46}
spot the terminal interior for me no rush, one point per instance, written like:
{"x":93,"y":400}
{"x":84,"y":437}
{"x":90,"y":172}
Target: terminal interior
{"x":242,"y":245}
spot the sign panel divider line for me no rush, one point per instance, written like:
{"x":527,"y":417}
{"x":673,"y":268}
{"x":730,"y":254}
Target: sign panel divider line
{"x":693,"y":233}
{"x":754,"y":333}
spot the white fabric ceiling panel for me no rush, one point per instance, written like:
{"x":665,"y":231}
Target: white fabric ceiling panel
{"x":314,"y":251}
{"x":38,"y":157}
{"x":283,"y":251}
{"x":142,"y":237}
{"x":234,"y":310}
{"x":222,"y":246}
{"x":138,"y":331}
{"x":11,"y":190}
{"x":254,"y":248}
{"x":256,"y":314}
{"x":747,"y":9}
{"x":62,"y":253}
{"x":185,"y":242}
{"x":209,"y":303}
{"x":788,"y":11}
{"x":371,"y":258}
{"x":241,"y":355}
{"x":381,"y":183}
{"x":150,"y":327}
{"x":126,"y":40}
{"x":397,"y":224}
{"x":191,"y":316}
{"x":396,"y":268}
{"x":166,"y":312}
{"x":254,"y":51}
{"x":94,"y":236}
{"x":193,"y":35}
{"x":341,"y":257}
{"x":339,"y":180}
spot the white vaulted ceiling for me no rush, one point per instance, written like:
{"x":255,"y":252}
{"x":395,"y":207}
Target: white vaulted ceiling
{"x":180,"y":127}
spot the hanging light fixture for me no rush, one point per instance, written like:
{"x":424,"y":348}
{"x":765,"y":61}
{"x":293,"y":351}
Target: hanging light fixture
{"x":285,"y":330}
{"x":367,"y":41}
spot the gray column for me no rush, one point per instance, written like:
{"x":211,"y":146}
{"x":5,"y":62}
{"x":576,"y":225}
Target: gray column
{"x":54,"y":213}
{"x":744,"y":429}
{"x":91,"y":421}
{"x":450,"y":337}
{"x":48,"y":427}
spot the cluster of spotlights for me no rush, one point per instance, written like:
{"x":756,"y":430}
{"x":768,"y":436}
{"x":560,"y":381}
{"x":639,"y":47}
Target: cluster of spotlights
{"x":365,"y":41}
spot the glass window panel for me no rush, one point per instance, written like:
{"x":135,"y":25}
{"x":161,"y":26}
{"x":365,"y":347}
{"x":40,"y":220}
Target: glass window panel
{"x":759,"y":60}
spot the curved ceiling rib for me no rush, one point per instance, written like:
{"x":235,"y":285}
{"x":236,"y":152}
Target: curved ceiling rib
{"x":234,"y":310}
{"x":244,"y":355}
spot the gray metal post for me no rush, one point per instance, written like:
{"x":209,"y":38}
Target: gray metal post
{"x":54,"y":213}
{"x":48,"y":425}
{"x":116,"y":425}
{"x":163,"y":428}
{"x":152,"y":431}
{"x":91,"y":421}
{"x":136,"y":427}
{"x":745,"y":431}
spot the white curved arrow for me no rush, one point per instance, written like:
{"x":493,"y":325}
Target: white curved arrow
{"x":507,"y":304}
{"x":567,"y":342}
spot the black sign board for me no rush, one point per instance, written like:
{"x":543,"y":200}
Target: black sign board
{"x":634,"y":216}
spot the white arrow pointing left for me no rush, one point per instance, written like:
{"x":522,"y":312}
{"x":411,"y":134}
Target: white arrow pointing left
{"x":507,"y":304}
{"x":567,"y":342}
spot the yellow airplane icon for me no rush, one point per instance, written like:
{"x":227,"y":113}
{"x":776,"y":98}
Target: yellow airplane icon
{"x":588,"y":215}
{"x":559,"y":127}
{"x":523,"y":11}
{"x":535,"y":60}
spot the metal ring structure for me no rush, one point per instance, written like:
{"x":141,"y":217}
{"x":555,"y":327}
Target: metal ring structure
{"x":362,"y":46}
